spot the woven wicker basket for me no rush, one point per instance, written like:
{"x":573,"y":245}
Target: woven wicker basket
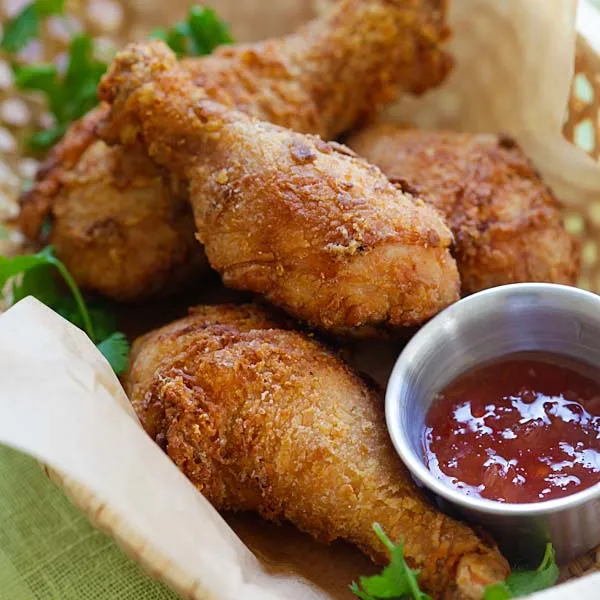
{"x":583,"y":128}
{"x":113,"y":22}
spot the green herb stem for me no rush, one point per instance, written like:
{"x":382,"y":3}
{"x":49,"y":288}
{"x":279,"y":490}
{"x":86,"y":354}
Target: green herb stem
{"x":81,"y":306}
{"x":383,"y":537}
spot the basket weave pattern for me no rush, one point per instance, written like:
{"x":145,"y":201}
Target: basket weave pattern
{"x":583,"y":128}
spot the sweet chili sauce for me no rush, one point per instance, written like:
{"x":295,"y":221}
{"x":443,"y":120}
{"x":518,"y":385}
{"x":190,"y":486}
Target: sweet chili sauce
{"x":525,"y":428}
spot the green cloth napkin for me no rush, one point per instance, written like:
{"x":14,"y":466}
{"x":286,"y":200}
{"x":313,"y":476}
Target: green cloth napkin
{"x":49,"y":551}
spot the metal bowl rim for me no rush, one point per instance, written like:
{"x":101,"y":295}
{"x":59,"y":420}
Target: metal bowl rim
{"x":400,"y":439}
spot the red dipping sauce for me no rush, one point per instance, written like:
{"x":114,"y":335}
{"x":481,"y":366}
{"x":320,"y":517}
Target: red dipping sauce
{"x":522,"y":429}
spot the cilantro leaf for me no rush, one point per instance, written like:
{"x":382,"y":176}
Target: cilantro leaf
{"x":10,"y":267}
{"x":46,"y":8}
{"x":102,"y":315}
{"x":36,"y":275}
{"x":175,"y":37}
{"x":69,"y":96}
{"x":81,"y":80}
{"x":39,"y":281}
{"x":359,"y":593}
{"x":397,"y":580}
{"x":20,"y":30}
{"x":207,"y":31}
{"x":45,"y":139}
{"x":36,"y":77}
{"x":48,"y":253}
{"x":72,"y":95}
{"x":115,"y":349}
{"x":25,"y":27}
{"x":523,"y":583}
{"x":497,"y":591}
{"x":400,"y":582}
{"x":198,"y":35}
{"x":41,"y":78}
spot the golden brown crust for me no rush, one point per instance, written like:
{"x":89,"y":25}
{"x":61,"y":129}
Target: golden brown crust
{"x":506,"y":221}
{"x":306,"y":81}
{"x":306,"y":223}
{"x":265,"y":419}
{"x":145,"y":246}
{"x":334,"y":72}
{"x":36,"y":203}
{"x":121,"y":224}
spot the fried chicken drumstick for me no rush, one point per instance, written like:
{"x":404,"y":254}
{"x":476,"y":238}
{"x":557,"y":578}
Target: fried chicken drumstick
{"x":316,"y":230}
{"x":264,"y":419}
{"x":506,"y":222}
{"x":124,"y":227}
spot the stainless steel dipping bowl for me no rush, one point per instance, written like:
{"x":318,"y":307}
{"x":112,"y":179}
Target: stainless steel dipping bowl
{"x":488,"y":325}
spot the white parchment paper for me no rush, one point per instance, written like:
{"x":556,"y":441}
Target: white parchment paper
{"x":61,"y":403}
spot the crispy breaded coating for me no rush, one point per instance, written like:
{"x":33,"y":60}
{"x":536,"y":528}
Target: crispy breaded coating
{"x":316,"y":230}
{"x":149,"y":234}
{"x":506,"y":221}
{"x":120,"y":223}
{"x":265,"y":419}
{"x":306,"y":81}
{"x":122,"y":226}
{"x":336,"y":71}
{"x":36,"y":203}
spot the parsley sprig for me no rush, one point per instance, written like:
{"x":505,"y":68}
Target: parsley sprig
{"x":25,"y":26}
{"x":522,"y":583}
{"x":400,"y":582}
{"x":35,"y":275}
{"x":397,"y":580}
